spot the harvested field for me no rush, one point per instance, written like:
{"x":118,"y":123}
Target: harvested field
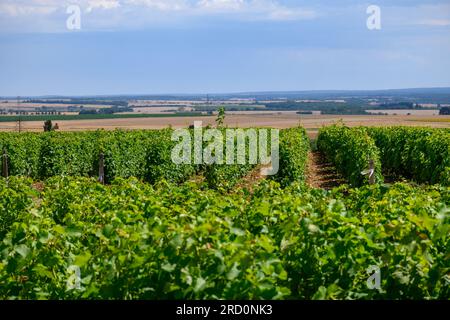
{"x":276,"y":120}
{"x":405,"y":112}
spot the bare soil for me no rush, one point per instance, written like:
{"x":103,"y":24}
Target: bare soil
{"x":251,"y":180}
{"x":275,"y":120}
{"x":320,"y":173}
{"x":39,"y":186}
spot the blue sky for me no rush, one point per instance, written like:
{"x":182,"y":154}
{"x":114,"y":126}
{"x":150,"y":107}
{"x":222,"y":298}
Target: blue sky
{"x":214,"y":46}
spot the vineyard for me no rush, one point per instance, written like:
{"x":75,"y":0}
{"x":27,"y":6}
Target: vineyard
{"x":159,"y":230}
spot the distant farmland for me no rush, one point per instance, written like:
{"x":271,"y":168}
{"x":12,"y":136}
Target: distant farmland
{"x":94,"y":116}
{"x":279,"y":120}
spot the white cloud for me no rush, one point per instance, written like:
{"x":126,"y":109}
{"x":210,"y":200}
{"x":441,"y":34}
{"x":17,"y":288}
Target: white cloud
{"x":254,"y":9}
{"x":46,"y":7}
{"x":222,"y":5}
{"x":435,"y":22}
{"x":31,"y":7}
{"x":162,"y":5}
{"x":436,"y":15}
{"x":51,"y":15}
{"x":251,"y":9}
{"x":102,"y":4}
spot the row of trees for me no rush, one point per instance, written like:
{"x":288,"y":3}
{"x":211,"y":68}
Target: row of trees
{"x":27,"y":113}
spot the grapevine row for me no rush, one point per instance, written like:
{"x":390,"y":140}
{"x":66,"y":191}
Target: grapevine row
{"x":145,"y":154}
{"x":141,"y":154}
{"x":294,"y":148}
{"x":132,"y":240}
{"x":420,"y":154}
{"x":351,"y":151}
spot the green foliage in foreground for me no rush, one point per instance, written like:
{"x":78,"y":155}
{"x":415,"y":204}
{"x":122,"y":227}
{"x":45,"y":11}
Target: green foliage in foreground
{"x":421,"y":154}
{"x":294,"y":148}
{"x":15,"y":201}
{"x":145,"y":154}
{"x":293,"y":155}
{"x":224,"y":176}
{"x":136,"y":241}
{"x":350,"y":150}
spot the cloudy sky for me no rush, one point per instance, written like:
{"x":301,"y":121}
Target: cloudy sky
{"x":212,"y":46}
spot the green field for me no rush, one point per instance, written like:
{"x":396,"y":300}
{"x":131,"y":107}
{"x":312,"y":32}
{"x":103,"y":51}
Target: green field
{"x":158,"y":230}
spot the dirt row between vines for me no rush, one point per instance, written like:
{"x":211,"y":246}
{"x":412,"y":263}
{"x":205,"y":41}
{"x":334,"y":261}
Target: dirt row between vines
{"x":320,"y":173}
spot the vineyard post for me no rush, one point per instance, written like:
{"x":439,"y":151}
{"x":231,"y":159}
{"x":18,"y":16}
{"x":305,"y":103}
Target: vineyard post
{"x":5,"y":164}
{"x":372,"y":171}
{"x":101,"y":168}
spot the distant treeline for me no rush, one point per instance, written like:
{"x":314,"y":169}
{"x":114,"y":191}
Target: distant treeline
{"x":445,"y":111}
{"x":94,"y":116}
{"x":417,"y":95}
{"x":351,"y":107}
{"x":232,"y":107}
{"x":82,"y":102}
{"x":399,"y":105}
{"x":111,"y":110}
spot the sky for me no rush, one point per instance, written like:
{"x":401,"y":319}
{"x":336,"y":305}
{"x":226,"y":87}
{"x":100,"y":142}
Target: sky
{"x":220,"y":46}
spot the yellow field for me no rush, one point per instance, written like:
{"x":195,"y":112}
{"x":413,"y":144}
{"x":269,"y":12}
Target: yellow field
{"x":443,"y":119}
{"x":275,"y":120}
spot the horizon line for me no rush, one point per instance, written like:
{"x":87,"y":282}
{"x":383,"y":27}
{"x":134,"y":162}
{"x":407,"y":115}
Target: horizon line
{"x":221,"y":93}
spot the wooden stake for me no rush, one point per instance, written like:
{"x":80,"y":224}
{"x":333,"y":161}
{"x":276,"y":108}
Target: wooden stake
{"x":5,"y":164}
{"x":372,"y":171}
{"x":101,"y":168}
